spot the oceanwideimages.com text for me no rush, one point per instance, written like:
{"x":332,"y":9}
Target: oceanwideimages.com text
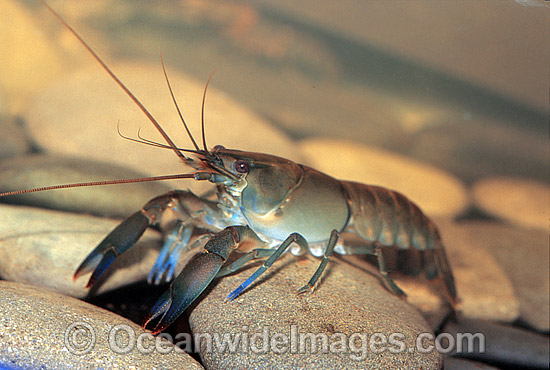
{"x":80,"y":338}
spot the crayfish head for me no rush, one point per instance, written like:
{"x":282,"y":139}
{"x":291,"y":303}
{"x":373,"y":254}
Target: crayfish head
{"x":262,"y":180}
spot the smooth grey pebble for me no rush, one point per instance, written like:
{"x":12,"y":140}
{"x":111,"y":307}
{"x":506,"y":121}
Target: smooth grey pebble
{"x":506,"y":345}
{"x":44,"y":248}
{"x":453,"y":363}
{"x":45,"y":330}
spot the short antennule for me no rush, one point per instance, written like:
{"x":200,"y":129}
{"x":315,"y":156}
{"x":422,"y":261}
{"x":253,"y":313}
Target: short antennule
{"x":202,"y":111}
{"x":155,"y":144}
{"x":176,"y":103}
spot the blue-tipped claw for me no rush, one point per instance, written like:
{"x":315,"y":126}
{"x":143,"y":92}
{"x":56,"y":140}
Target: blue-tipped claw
{"x":108,"y":258}
{"x":185,"y":288}
{"x":117,"y":242}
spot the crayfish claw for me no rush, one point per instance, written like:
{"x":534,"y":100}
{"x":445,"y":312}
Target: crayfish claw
{"x":88,"y":265}
{"x":160,"y":308}
{"x":108,"y":258}
{"x":117,"y":242}
{"x":183,"y":291}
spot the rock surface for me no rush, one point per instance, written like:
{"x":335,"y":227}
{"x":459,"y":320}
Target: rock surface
{"x":438,"y":37}
{"x":44,"y":248}
{"x":519,"y":201}
{"x":44,"y":170}
{"x":484,"y":287}
{"x":485,"y":291}
{"x":453,"y":363}
{"x":524,"y":256}
{"x":45,"y":330}
{"x":87,"y":106}
{"x":3,"y":102}
{"x":435,"y":191}
{"x":347,"y":301}
{"x":503,"y":344}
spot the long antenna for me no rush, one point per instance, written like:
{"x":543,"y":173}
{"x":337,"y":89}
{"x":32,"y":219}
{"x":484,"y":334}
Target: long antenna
{"x":202,"y":112}
{"x":98,"y":183}
{"x":176,"y":103}
{"x":128,"y":92}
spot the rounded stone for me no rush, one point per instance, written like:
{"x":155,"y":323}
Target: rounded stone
{"x":44,"y":248}
{"x":520,"y":201}
{"x":87,"y":107}
{"x":349,"y":312}
{"x":453,"y":363}
{"x":505,"y":345}
{"x":436,"y":192}
{"x":45,"y":170}
{"x":524,"y":256}
{"x":484,"y":288}
{"x":45,"y":330}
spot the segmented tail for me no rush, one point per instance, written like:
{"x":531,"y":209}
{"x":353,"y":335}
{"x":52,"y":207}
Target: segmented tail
{"x":386,"y":217}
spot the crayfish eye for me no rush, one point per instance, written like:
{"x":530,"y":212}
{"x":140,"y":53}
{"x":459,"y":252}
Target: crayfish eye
{"x":242,"y":166}
{"x":219,"y":147}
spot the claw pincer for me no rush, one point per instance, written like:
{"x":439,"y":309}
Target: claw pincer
{"x":191,"y":212}
{"x":185,"y":288}
{"x":117,"y":242}
{"x":197,"y":275}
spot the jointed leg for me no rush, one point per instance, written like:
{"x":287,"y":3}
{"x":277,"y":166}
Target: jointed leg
{"x":384,"y":272}
{"x":292,"y":238}
{"x":252,"y":255}
{"x":174,"y":243}
{"x":326,"y":256}
{"x":376,"y":250}
{"x":198,"y":274}
{"x":191,"y":211}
